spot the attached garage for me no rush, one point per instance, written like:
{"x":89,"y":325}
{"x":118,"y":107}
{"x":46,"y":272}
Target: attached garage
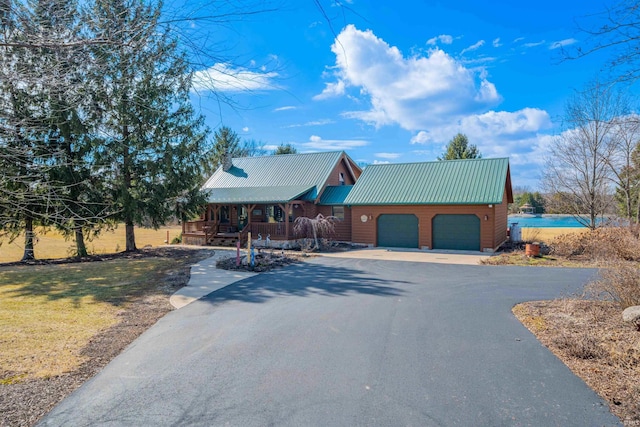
{"x":459,"y":232}
{"x":398,"y":231}
{"x":454,"y":204}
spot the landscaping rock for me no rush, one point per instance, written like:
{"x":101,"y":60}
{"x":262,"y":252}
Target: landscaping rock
{"x":632,"y":315}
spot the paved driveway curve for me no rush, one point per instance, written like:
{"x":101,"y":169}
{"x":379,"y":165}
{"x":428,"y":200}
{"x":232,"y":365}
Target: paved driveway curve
{"x":348,"y":342}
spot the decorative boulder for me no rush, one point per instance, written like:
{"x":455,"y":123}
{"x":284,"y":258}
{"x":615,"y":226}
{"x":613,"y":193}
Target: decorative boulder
{"x":632,"y":315}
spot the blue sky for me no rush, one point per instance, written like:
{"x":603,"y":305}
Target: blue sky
{"x":395,"y":81}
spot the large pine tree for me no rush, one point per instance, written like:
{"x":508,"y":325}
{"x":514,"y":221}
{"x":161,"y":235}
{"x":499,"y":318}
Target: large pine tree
{"x":152,"y":138}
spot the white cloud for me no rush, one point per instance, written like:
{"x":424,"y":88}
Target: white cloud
{"x":519,"y":39}
{"x":285,"y":108}
{"x":534,"y":44}
{"x":519,"y":135}
{"x":270,"y":147}
{"x":225,"y":78}
{"x":317,"y":143}
{"x":473,"y":47}
{"x":331,"y":90}
{"x":245,"y":129}
{"x":442,"y":38}
{"x":496,"y":42}
{"x":321,"y":122}
{"x":381,"y":162}
{"x":388,"y":155}
{"x":421,"y":137}
{"x":414,"y":92}
{"x":561,"y":43}
{"x":491,"y":128}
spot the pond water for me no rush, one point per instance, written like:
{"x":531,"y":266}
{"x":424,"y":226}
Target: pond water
{"x":546,"y":221}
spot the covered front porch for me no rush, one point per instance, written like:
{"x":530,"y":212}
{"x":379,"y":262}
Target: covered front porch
{"x":223,"y":224}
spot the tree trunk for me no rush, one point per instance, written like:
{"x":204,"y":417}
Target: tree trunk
{"x":130,"y":238}
{"x":81,"y":248}
{"x":28,"y":240}
{"x":315,"y":233}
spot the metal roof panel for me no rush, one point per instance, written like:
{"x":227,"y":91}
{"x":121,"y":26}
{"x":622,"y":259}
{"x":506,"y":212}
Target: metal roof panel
{"x":450,"y":182}
{"x":335,"y":195}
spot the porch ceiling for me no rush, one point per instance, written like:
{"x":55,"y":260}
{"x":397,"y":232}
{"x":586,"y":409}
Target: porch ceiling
{"x":257,"y":194}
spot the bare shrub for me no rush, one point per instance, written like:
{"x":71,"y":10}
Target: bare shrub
{"x":581,"y":346}
{"x":620,"y":284}
{"x":606,"y":243}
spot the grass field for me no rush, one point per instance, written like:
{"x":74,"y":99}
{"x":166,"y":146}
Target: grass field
{"x":51,"y":245}
{"x":48,"y":313}
{"x":545,"y":235}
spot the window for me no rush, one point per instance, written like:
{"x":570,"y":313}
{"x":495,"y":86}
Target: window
{"x":338,"y":212}
{"x":341,"y":178}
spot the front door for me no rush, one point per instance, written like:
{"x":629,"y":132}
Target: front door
{"x":243,"y":217}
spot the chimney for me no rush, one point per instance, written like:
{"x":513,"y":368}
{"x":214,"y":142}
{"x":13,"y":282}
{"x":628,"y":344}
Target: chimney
{"x":227,"y":161}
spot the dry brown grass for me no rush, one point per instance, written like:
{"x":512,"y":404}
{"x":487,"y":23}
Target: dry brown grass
{"x":593,"y":341}
{"x":52,"y":245}
{"x":546,"y":235}
{"x":56,"y":307}
{"x":49,"y":313}
{"x":601,"y":244}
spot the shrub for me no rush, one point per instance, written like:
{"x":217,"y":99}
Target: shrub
{"x":619,"y":283}
{"x":581,"y":346}
{"x":606,"y":243}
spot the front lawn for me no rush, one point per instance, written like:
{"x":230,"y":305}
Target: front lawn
{"x":61,"y":323}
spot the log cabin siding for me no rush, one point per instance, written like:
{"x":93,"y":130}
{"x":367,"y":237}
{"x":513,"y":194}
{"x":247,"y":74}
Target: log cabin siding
{"x":342,"y":228}
{"x":490,"y":230}
{"x":334,"y":177}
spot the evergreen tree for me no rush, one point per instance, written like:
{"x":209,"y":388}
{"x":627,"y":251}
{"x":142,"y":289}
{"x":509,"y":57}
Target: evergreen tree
{"x":225,"y":141}
{"x":27,"y":198}
{"x":285,"y":149}
{"x":459,"y":148}
{"x":153,"y":140}
{"x":68,"y":115}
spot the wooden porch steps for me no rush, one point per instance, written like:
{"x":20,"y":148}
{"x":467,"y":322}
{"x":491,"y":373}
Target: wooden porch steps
{"x":223,"y":241}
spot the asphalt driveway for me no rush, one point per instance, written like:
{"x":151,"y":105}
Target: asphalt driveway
{"x":348,"y":342}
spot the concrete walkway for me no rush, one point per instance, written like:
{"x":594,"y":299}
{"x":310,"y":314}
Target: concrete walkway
{"x":414,"y":255}
{"x":206,"y":278}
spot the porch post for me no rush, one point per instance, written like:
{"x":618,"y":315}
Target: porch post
{"x":286,"y":220}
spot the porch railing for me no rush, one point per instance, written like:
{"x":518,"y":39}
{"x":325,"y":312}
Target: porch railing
{"x":198,"y":226}
{"x":275,"y":231}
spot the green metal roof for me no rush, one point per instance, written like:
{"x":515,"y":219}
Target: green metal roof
{"x":272,"y":178}
{"x":257,"y":194}
{"x":450,"y":182}
{"x":335,"y":195}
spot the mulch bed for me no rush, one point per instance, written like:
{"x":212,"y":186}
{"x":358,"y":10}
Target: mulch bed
{"x":593,"y":341}
{"x":25,"y":402}
{"x":265,"y":260}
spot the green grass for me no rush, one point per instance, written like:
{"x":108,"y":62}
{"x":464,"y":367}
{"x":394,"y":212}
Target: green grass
{"x":49,"y":313}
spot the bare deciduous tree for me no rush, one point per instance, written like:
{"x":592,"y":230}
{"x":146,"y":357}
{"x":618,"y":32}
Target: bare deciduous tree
{"x":616,"y":30}
{"x":578,"y":161}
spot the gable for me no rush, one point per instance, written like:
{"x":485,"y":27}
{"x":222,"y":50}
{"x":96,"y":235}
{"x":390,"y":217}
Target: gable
{"x":274,"y":178}
{"x":452,"y":182}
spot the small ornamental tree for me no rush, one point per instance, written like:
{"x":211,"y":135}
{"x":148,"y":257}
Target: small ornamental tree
{"x":319,"y":227}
